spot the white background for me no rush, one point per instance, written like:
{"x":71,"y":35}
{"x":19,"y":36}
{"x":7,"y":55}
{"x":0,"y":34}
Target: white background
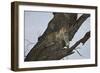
{"x":5,"y":37}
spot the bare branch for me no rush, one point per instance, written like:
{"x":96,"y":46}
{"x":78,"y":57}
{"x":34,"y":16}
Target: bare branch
{"x":77,"y":25}
{"x":83,"y":40}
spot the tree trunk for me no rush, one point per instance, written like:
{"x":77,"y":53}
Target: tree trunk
{"x":53,"y":44}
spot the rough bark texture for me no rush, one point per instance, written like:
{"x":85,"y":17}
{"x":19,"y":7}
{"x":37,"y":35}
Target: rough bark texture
{"x":51,"y":44}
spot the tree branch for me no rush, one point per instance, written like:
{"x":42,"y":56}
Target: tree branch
{"x":53,"y":52}
{"x":77,"y":25}
{"x":83,"y":40}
